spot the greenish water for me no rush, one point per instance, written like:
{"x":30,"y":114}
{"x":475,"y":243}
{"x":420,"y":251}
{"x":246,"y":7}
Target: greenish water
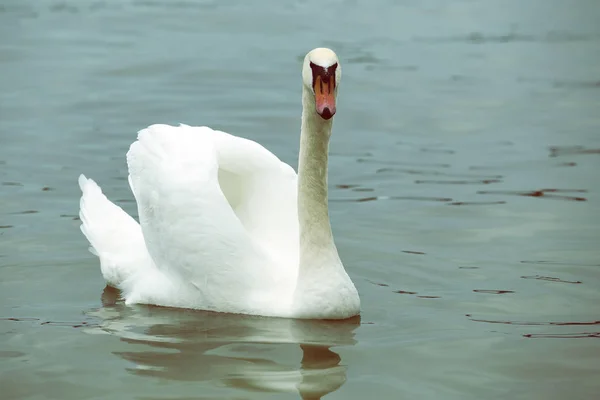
{"x":465,"y":196}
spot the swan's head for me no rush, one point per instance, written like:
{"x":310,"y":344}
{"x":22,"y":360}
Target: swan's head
{"x":321,"y":74}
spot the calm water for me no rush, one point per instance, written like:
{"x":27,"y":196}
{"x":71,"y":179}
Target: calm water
{"x":464,"y":184}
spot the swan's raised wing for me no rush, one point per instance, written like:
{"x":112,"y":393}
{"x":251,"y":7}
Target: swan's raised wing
{"x":207,"y":213}
{"x":262,"y":191}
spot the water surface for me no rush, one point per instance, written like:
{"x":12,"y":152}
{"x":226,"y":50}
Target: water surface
{"x":465,"y":197}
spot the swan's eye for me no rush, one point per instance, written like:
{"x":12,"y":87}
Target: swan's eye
{"x":326,"y":73}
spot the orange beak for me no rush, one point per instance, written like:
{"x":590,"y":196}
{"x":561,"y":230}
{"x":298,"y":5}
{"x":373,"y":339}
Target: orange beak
{"x":325,"y":96}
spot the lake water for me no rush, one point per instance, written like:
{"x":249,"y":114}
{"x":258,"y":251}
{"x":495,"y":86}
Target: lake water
{"x":465,"y":195}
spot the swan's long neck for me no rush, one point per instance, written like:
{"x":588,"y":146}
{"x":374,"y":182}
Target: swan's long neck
{"x":317,"y":249}
{"x":323,"y":288}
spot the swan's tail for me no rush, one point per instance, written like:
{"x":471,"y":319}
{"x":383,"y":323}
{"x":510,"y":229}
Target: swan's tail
{"x":90,"y":206}
{"x":114,"y":236}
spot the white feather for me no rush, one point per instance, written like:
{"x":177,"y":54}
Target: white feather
{"x":114,"y":236}
{"x":220,"y":224}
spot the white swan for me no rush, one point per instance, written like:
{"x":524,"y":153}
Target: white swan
{"x":224,"y":224}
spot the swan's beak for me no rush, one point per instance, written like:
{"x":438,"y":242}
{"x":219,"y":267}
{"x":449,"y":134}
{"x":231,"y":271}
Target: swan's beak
{"x":325,"y":96}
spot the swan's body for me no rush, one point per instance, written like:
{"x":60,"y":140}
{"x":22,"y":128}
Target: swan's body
{"x":224,"y":224}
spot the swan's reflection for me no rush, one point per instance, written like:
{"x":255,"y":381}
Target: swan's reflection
{"x":240,"y":351}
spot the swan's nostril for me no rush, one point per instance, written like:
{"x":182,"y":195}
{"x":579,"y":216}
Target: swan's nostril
{"x":327,"y":113}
